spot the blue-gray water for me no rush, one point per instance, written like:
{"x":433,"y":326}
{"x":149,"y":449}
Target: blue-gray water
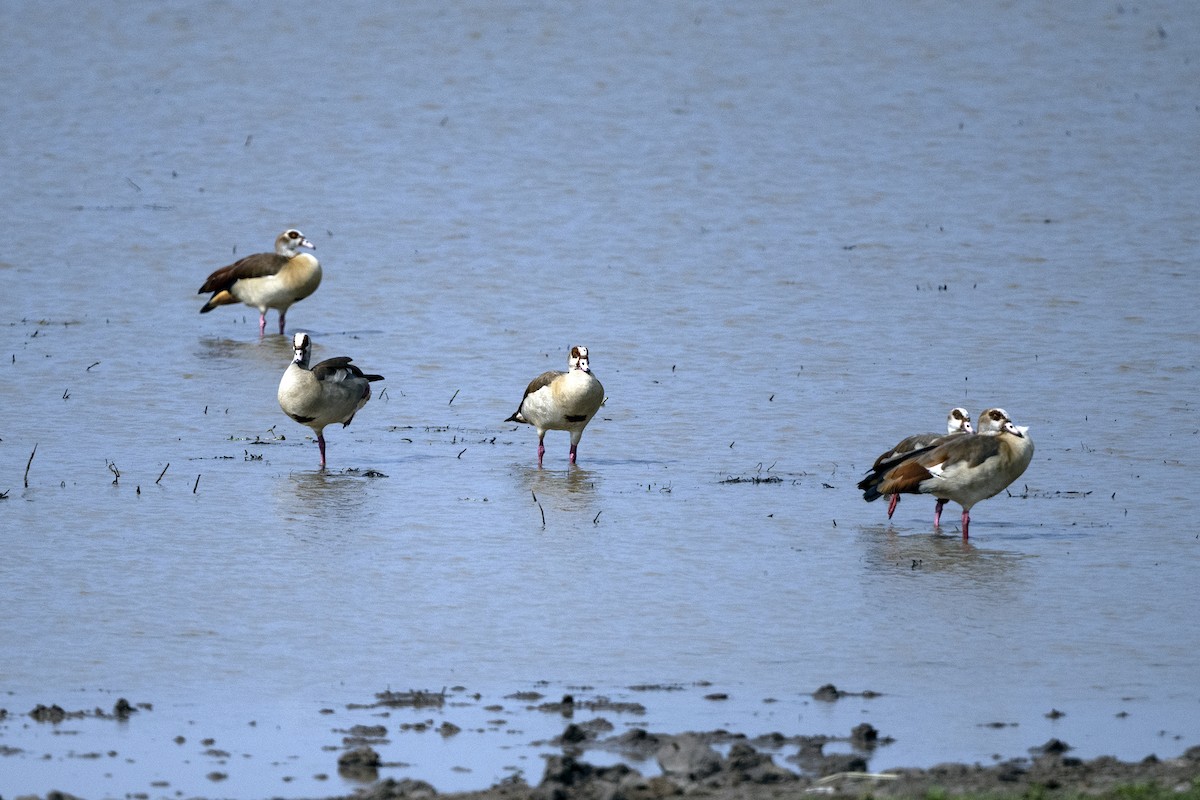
{"x":789,"y":234}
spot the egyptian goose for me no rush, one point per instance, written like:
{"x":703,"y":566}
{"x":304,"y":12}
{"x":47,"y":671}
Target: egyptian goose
{"x":991,"y":420}
{"x":332,"y":391}
{"x":561,"y":401}
{"x":267,"y":280}
{"x":957,"y":421}
{"x":965,"y":469}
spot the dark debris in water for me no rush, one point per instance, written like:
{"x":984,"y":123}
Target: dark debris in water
{"x":55,"y":713}
{"x":755,"y":479}
{"x":1044,"y":494}
{"x":830,"y":693}
{"x":369,"y":473}
{"x":409,"y":699}
{"x":363,"y":736}
{"x":1051,"y":747}
{"x":139,"y":207}
{"x":568,"y":705}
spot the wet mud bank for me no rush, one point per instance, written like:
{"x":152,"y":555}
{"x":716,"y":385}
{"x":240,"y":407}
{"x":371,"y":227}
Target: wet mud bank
{"x":691,"y":767}
{"x":601,"y":759}
{"x":726,"y":765}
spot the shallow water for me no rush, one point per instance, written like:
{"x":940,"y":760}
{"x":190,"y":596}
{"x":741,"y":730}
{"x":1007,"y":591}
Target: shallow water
{"x":788,"y":235}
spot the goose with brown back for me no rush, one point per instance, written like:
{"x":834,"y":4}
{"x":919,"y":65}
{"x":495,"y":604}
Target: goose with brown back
{"x":267,"y":280}
{"x":965,"y":469}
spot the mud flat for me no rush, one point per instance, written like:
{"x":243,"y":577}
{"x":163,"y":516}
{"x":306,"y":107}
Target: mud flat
{"x":691,"y":767}
{"x":606,"y":757}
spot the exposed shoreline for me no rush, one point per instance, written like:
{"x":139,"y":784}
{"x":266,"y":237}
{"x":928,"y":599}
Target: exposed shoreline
{"x":691,"y":766}
{"x":597,"y":760}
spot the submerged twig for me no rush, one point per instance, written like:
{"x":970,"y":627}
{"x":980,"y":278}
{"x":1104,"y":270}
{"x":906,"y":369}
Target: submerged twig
{"x":164,"y":472}
{"x":456,"y":391}
{"x":112,"y":467}
{"x":539,"y":505}
{"x":27,"y":463}
{"x":196,"y":484}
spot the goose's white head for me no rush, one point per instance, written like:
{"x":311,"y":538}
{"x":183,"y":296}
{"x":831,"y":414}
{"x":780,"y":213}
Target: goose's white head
{"x":301,"y":348}
{"x":290,"y":241}
{"x":1016,"y":430}
{"x":959,"y":421}
{"x":993,"y":420}
{"x":579,"y":359}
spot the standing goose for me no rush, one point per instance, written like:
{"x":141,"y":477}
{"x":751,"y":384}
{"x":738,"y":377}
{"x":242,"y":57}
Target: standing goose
{"x":332,"y":391}
{"x":267,"y":280}
{"x":991,"y":420}
{"x":561,"y":401}
{"x":965,"y":469}
{"x":958,"y":421}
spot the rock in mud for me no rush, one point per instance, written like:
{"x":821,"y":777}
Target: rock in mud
{"x":688,"y":757}
{"x":359,"y":764}
{"x":52,"y":714}
{"x":828,"y":693}
{"x":744,"y":764}
{"x":392,"y":789}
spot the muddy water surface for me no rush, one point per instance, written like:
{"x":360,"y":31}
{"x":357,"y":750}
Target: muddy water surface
{"x":789,"y":236}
